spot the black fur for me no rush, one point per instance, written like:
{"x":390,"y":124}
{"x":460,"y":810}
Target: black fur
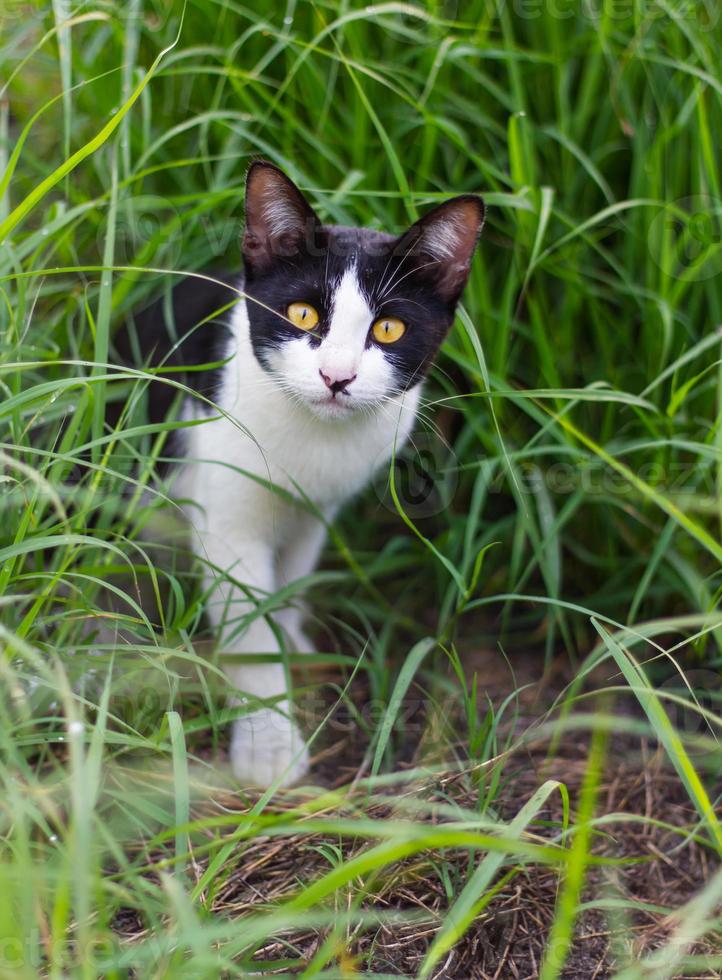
{"x":185,"y":333}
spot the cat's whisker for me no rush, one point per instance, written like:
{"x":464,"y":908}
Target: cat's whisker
{"x":425,"y":418}
{"x":379,"y":292}
{"x":406,"y":275}
{"x":325,"y":278}
{"x":386,"y":286}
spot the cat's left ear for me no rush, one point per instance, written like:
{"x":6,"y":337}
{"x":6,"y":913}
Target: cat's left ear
{"x":443,"y":242}
{"x":280,"y":223}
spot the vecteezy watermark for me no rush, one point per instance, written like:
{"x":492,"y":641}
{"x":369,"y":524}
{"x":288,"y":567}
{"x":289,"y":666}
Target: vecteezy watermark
{"x":704,"y":13}
{"x":19,"y":954}
{"x":349,"y":717}
{"x":148,"y":230}
{"x":423,"y":475}
{"x":685,"y":238}
{"x":412,"y":23}
{"x":425,"y":480}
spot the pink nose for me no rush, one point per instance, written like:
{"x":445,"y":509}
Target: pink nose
{"x":336,"y":384}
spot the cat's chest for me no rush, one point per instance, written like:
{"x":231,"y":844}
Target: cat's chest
{"x":328,"y":463}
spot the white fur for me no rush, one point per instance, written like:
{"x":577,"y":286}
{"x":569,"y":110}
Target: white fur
{"x":287,"y":430}
{"x":444,"y":242}
{"x":279,"y":214}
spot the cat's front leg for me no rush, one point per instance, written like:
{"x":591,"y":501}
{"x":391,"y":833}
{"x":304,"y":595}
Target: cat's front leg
{"x":266,"y":745}
{"x":296,"y":559}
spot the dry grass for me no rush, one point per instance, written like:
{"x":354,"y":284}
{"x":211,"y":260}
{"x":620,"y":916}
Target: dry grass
{"x":661,"y":868}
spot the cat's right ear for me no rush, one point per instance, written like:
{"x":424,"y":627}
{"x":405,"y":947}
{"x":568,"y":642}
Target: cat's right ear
{"x":443,"y":242}
{"x":280,"y":223}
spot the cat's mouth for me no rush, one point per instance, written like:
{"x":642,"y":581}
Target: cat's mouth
{"x":332,"y":405}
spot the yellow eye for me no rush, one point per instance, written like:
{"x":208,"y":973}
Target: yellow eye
{"x":388,"y":330}
{"x":302,"y":315}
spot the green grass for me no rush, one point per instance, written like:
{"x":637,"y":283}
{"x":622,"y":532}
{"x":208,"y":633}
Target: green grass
{"x":579,"y":397}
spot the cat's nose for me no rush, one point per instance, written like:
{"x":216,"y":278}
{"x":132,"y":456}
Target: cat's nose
{"x":336,"y":384}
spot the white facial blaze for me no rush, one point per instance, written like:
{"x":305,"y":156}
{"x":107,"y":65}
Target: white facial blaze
{"x":342,"y":354}
{"x":343,"y":346}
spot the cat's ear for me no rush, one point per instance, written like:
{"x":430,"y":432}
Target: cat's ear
{"x":443,"y":242}
{"x":279,"y":220}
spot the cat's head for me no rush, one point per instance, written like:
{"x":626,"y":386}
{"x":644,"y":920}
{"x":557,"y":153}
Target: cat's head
{"x":345,"y":318}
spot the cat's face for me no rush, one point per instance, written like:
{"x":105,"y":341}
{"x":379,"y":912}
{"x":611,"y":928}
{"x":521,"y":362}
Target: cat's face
{"x":345,"y":318}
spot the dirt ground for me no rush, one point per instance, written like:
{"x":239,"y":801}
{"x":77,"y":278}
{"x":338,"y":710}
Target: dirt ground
{"x":508,"y":939}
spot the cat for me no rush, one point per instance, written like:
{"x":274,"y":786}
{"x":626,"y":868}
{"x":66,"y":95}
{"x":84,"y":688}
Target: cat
{"x":318,"y":372}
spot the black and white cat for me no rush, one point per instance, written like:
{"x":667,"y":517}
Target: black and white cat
{"x":324,"y":359}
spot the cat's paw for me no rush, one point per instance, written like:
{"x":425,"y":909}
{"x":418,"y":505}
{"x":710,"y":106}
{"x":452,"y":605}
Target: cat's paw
{"x":265,"y":747}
